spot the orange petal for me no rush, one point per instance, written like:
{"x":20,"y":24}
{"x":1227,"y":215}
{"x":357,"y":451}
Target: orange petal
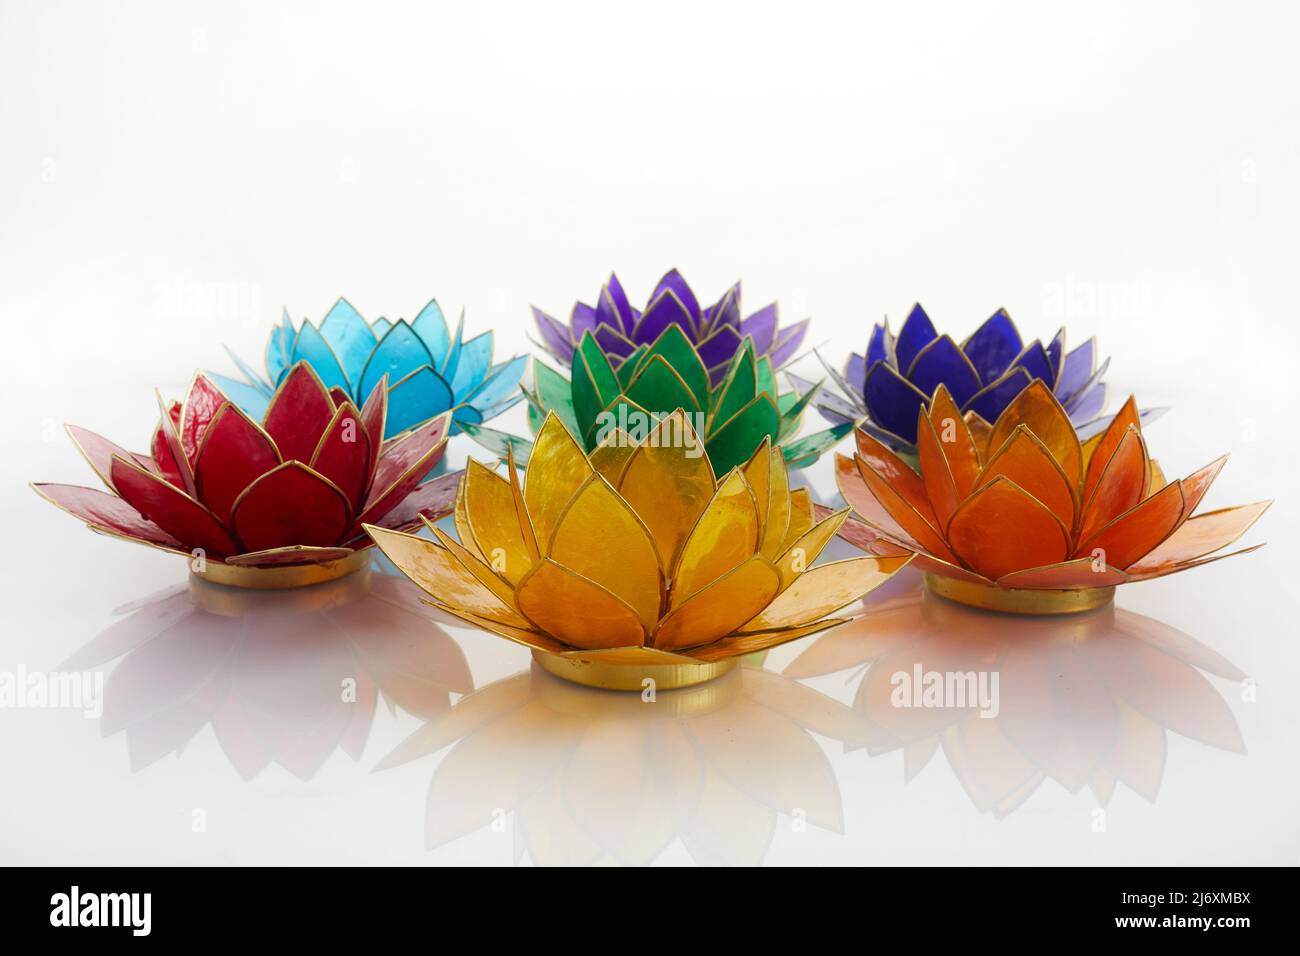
{"x":859,"y":497}
{"x":955,"y":439}
{"x":1197,"y":484}
{"x":1107,"y":444}
{"x":920,"y":527}
{"x":1137,"y":532}
{"x":1027,"y":461}
{"x":1001,"y":529}
{"x":1079,"y":573}
{"x":940,"y":486}
{"x":980,"y":431}
{"x":896,"y":473}
{"x":1200,"y":536}
{"x":1121,"y":486}
{"x":1037,"y":408}
{"x":576,"y":610}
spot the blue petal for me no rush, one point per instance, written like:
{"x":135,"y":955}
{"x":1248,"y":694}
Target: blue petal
{"x":855,"y":371}
{"x":1088,"y":404}
{"x":252,"y":402}
{"x":1055,"y":355}
{"x":880,"y":348}
{"x":349,"y":336}
{"x":453,"y":351}
{"x":311,"y":346}
{"x":431,"y":326}
{"x":996,"y":396}
{"x":278,"y":348}
{"x":253,"y":378}
{"x":942,"y":362}
{"x":1034,"y":360}
{"x":380,"y":327}
{"x":892,"y":401}
{"x":475,"y":358}
{"x":993,"y":346}
{"x":1076,"y":370}
{"x":500,"y":382}
{"x":398,"y":354}
{"x":415,"y":399}
{"x":917,"y":332}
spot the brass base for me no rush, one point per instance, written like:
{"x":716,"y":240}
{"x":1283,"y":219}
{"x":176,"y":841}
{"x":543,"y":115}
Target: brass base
{"x":1019,"y":600}
{"x":608,"y":676}
{"x":281,"y":577}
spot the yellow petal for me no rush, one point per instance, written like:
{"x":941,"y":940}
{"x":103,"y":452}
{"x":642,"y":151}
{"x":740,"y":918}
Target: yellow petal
{"x":725,"y":537}
{"x":761,"y":640}
{"x":437,"y":570}
{"x":493,"y":523}
{"x":778,"y":506}
{"x":804,"y":550}
{"x":462,"y":514}
{"x":756,"y":472}
{"x":612,"y":454}
{"x":600,"y":538}
{"x":482,"y":573}
{"x":823,"y":589}
{"x":576,"y":610}
{"x":801,"y":517}
{"x":667,"y":488}
{"x":721,"y":607}
{"x":521,"y":510}
{"x":556,"y":470}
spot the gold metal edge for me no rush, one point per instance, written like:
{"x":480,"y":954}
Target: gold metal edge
{"x":1019,"y":600}
{"x":607,"y":676}
{"x":281,"y":577}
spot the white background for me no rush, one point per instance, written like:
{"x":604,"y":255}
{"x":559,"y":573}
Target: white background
{"x":173,"y":174}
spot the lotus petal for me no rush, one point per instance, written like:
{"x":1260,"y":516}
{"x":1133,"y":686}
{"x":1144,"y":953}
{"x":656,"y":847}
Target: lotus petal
{"x":555,"y":337}
{"x":430,"y":326}
{"x":718,"y":348}
{"x":720,"y":607}
{"x":1121,"y":486}
{"x":600,"y":537}
{"x":893,"y":401}
{"x":1197,"y":484}
{"x":1103,"y":447}
{"x":290,"y":504}
{"x":102,"y":510}
{"x":823,"y":589}
{"x":993,"y":346}
{"x":430,"y":501}
{"x":1076,"y":370}
{"x":576,"y":610}
{"x":1201,"y":535}
{"x":557,"y":468}
{"x":942,"y":362}
{"x":349,"y":337}
{"x":416,"y":398}
{"x":1025,"y":460}
{"x":399,"y":353}
{"x":310,"y":347}
{"x":99,"y":451}
{"x":733,"y":442}
{"x":1078,"y":573}
{"x":292,"y":554}
{"x":761,"y":328}
{"x":917,"y":332}
{"x":673,"y":280}
{"x":1001,"y":529}
{"x":475,"y":360}
{"x":299,"y":414}
{"x":858,"y":494}
{"x":1137,"y":532}
{"x":989,"y":402}
{"x":1038,"y":410}
{"x":797,"y":556}
{"x":343,"y":454}
{"x":940,"y":489}
{"x":403,"y":464}
{"x":726,"y":535}
{"x":494,"y":523}
{"x":234,"y":452}
{"x":166,"y":448}
{"x":660,"y":314}
{"x":959,"y":447}
{"x":200,"y":405}
{"x":758,"y":641}
{"x":163,"y":504}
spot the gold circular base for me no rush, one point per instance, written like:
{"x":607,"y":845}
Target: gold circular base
{"x":281,"y":577}
{"x":1019,"y":600}
{"x":609,"y":676}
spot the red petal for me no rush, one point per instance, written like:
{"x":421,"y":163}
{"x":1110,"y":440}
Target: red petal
{"x":161,"y":502}
{"x":374,"y":416}
{"x":201,"y":405}
{"x":102,"y":510}
{"x":403,"y":464}
{"x":433,"y":500}
{"x":171,"y":461}
{"x":299,"y":413}
{"x":339,"y":396}
{"x":290,"y":505}
{"x":234,"y":452}
{"x":343,"y":454}
{"x":99,"y":451}
{"x":294,"y":554}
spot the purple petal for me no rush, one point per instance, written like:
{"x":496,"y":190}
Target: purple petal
{"x":1089,"y":404}
{"x":1076,"y":370}
{"x":662,"y":312}
{"x":993,"y":346}
{"x":672,"y":279}
{"x":787,"y":342}
{"x":996,"y":396}
{"x":726,"y":311}
{"x":761,"y":327}
{"x":613,"y":343}
{"x":554,"y":336}
{"x":1034,"y":360}
{"x":621,"y":305}
{"x":917,"y":332}
{"x":855,"y":371}
{"x":719,"y":348}
{"x":879,"y":348}
{"x":1056,"y":354}
{"x":582,"y":321}
{"x":892,"y":401}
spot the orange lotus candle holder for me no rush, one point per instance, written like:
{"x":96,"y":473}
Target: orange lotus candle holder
{"x":634,"y":563}
{"x":1020,"y":516}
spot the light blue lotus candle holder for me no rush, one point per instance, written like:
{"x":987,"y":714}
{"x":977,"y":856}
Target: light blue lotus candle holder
{"x":430,"y":369}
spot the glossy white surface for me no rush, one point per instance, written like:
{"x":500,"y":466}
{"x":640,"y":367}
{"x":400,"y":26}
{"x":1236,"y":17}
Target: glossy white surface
{"x":171,"y":178}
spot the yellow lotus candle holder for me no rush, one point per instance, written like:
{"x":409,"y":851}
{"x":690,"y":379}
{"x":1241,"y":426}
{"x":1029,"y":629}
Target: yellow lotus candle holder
{"x":633,"y":564}
{"x":1020,"y":516}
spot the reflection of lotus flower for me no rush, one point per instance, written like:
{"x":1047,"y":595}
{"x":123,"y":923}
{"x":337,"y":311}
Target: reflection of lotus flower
{"x":635,"y":562}
{"x":734,"y":417}
{"x":897,"y":376}
{"x":255,"y":498}
{"x":597,"y":778}
{"x":1084,"y":701}
{"x":1023,"y":517}
{"x":430,"y":370}
{"x":717,"y":331}
{"x":284,"y":678}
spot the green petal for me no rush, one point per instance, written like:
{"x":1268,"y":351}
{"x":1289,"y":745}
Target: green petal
{"x":658,"y":387}
{"x":625,"y":371}
{"x":498,"y":442}
{"x":594,"y":382}
{"x":677,"y":350}
{"x":766,"y":376}
{"x":739,"y":388}
{"x":805,"y":451}
{"x":735,"y":441}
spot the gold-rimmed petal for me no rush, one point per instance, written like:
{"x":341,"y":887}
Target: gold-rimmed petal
{"x":801,"y":518}
{"x":292,"y":554}
{"x":1025,"y":460}
{"x":1076,"y":573}
{"x":826,"y":588}
{"x":752,"y":643}
{"x":774,"y":526}
{"x":858,"y":495}
{"x":1139,"y":530}
{"x":1001,"y":528}
{"x":1200,"y":535}
{"x":576,"y":610}
{"x":940,"y":486}
{"x":725,"y":536}
{"x":916,"y":525}
{"x":557,"y":468}
{"x":956,"y":441}
{"x":491,"y":523}
{"x":720,"y":607}
{"x":1104,"y":445}
{"x":482,"y":573}
{"x":1038,"y":409}
{"x":1121,"y":486}
{"x":805,"y":549}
